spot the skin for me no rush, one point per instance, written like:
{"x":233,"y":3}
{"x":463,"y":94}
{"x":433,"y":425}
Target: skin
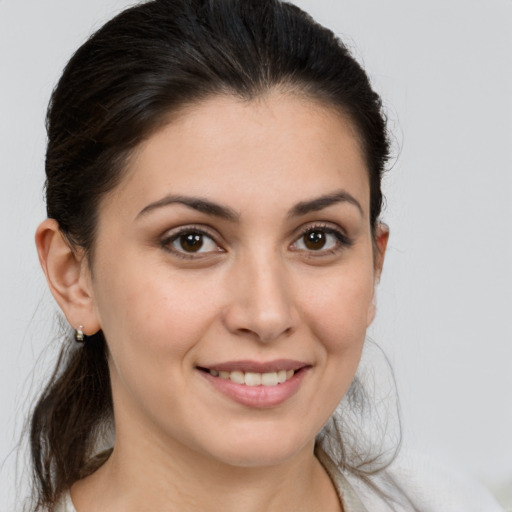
{"x":255,"y":291}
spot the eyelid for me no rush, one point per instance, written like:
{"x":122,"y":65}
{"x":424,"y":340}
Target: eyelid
{"x":344,"y":240}
{"x":171,"y":235}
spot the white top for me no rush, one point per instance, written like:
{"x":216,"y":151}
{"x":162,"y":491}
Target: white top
{"x":425,"y":487}
{"x":65,"y":504}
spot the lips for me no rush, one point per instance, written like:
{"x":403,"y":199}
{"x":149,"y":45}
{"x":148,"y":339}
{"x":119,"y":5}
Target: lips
{"x":257,"y":384}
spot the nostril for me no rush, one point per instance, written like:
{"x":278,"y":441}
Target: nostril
{"x":247,"y":332}
{"x":259,"y":317}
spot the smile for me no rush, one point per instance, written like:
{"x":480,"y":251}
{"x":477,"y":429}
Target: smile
{"x":254,"y":378}
{"x":257,"y":384}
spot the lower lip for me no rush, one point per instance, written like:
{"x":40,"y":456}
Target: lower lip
{"x":257,"y":396}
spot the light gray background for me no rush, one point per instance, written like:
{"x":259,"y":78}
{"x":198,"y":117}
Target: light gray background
{"x":444,"y":69}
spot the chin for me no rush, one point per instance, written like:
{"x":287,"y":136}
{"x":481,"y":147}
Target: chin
{"x":261,"y":449}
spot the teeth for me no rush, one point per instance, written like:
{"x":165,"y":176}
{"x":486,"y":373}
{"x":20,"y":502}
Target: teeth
{"x":281,"y":376}
{"x":237,"y":377}
{"x":254,"y":378}
{"x":269,"y":379}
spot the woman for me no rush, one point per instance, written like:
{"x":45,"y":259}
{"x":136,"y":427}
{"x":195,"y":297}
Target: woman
{"x":213,"y":237}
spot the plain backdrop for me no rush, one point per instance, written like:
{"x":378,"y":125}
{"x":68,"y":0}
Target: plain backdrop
{"x":444,"y":70}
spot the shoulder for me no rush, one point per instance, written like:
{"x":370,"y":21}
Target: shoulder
{"x":415,"y":482}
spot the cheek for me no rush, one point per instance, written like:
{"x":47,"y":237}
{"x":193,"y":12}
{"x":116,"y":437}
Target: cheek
{"x":153,"y":330}
{"x":337,"y":311}
{"x":154,"y":316}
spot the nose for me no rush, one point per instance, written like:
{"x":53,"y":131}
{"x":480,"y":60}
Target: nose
{"x":261,"y":302}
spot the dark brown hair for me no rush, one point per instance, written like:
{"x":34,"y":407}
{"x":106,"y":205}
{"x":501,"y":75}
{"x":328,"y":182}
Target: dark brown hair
{"x":119,"y":87}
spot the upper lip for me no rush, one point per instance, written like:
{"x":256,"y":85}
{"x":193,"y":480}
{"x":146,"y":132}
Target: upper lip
{"x":257,"y":366}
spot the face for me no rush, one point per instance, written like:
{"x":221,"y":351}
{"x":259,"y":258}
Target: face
{"x":233,"y":278}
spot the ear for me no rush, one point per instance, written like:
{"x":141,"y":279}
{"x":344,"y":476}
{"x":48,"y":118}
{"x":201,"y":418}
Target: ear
{"x":379,"y":250}
{"x":68,"y":276}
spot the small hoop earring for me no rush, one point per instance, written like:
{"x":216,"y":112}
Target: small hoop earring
{"x":79,"y":334}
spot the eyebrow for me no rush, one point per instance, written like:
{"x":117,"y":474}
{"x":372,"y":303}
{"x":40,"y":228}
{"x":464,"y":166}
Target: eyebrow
{"x":196,"y":203}
{"x":210,"y":208}
{"x":319,"y":203}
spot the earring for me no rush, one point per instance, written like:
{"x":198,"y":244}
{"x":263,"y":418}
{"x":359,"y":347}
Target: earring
{"x":79,"y":334}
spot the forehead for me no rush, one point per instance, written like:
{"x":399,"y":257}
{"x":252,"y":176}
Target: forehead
{"x":279,"y":148}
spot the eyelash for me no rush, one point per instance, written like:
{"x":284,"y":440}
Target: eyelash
{"x":342,"y":241}
{"x":167,"y":241}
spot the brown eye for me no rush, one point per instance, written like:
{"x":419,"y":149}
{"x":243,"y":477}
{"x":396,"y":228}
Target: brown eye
{"x":315,"y":240}
{"x":191,"y":242}
{"x":321,"y":240}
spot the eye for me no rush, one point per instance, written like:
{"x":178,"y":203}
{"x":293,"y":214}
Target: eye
{"x":321,"y":239}
{"x":188,"y":242}
{"x":316,"y":240}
